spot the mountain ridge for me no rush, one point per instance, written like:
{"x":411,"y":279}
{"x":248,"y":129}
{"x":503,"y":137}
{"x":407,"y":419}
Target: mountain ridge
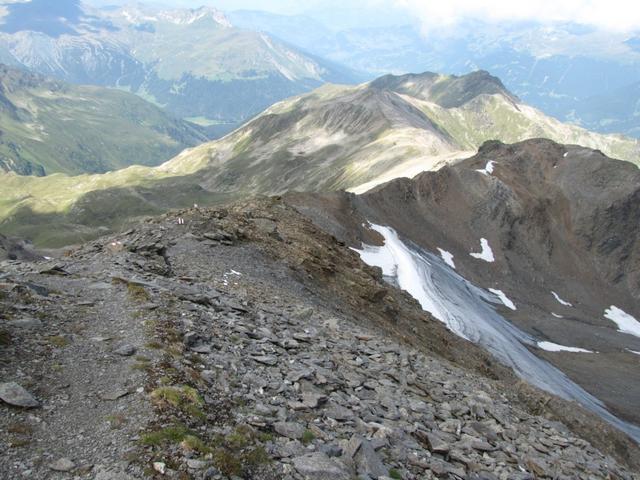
{"x":337,"y":137}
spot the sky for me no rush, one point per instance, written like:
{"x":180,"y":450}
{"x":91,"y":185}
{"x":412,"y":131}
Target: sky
{"x":614,"y":15}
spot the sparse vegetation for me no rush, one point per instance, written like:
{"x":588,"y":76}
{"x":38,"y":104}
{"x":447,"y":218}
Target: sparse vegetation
{"x":308,"y":437}
{"x":58,"y":341}
{"x":183,"y":398}
{"x":395,"y":474}
{"x":117,"y":420}
{"x":5,"y":337}
{"x":173,"y":434}
{"x":195,"y":444}
{"x":137,"y":292}
{"x":20,"y":428}
{"x":240,"y":453}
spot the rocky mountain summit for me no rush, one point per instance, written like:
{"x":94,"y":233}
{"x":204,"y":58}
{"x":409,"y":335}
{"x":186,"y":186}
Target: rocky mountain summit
{"x":245,"y":342}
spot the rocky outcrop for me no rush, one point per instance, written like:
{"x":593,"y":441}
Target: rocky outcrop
{"x":11,"y":249}
{"x":264,"y":349}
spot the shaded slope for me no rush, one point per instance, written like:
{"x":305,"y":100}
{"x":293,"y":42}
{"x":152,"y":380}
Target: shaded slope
{"x":48,"y":126}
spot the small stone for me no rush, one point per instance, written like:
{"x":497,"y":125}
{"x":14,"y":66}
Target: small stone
{"x":160,"y":467}
{"x":266,"y":360}
{"x":436,"y":444}
{"x":15,"y":395}
{"x":369,"y":462}
{"x":115,"y":395}
{"x":197,"y":464}
{"x":125,"y":350}
{"x":62,"y":465}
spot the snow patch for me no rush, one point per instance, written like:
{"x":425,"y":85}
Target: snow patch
{"x":565,"y":155}
{"x":501,"y":295}
{"x":626,"y":323}
{"x":488,"y":169}
{"x":556,"y":315}
{"x":486,"y":254}
{"x":632,"y":351}
{"x":554,"y":347}
{"x":561,"y":301}
{"x":397,"y":261}
{"x":447,"y":257}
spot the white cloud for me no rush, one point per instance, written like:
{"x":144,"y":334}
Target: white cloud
{"x":618,"y":15}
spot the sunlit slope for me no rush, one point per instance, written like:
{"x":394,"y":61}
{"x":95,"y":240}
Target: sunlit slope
{"x":337,"y":137}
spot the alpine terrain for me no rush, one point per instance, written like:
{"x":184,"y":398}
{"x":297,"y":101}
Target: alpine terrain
{"x":337,"y":137}
{"x":224,"y":257}
{"x":566,"y":69}
{"x":246,"y":343}
{"x":192,"y":62}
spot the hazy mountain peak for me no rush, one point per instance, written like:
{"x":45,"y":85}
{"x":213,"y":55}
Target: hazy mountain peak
{"x":62,"y":17}
{"x":136,"y":14}
{"x":448,"y":91}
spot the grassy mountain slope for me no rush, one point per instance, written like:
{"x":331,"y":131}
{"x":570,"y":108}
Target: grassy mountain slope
{"x":48,"y":126}
{"x":336,"y":137}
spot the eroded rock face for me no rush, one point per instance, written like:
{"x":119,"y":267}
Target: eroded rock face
{"x":308,"y":373}
{"x":552,"y":229}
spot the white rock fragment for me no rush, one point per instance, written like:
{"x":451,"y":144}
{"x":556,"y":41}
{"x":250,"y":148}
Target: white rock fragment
{"x":160,"y":467}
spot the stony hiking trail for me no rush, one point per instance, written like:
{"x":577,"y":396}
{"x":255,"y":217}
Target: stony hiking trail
{"x":246,"y":343}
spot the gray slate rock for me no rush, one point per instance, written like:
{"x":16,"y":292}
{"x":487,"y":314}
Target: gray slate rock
{"x":125,"y":350}
{"x":62,"y":465}
{"x":291,"y":430}
{"x":369,"y":462}
{"x":15,"y":395}
{"x":318,"y":466}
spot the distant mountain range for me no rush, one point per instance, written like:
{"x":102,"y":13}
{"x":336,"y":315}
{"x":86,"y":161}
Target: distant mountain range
{"x":337,"y":137}
{"x":48,"y":126}
{"x":193,"y":63}
{"x":557,"y":68}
